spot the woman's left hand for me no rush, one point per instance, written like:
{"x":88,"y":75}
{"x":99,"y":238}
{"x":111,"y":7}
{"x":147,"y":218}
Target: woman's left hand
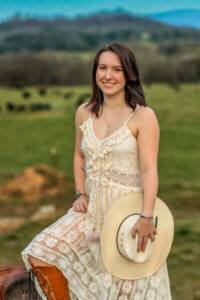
{"x":145,"y":229}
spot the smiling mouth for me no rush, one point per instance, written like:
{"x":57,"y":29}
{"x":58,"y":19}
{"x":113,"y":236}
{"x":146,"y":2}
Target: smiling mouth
{"x":108,"y":84}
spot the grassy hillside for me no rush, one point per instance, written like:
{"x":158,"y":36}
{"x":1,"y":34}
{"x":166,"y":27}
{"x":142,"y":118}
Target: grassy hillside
{"x":86,"y":32}
{"x":27,"y":137}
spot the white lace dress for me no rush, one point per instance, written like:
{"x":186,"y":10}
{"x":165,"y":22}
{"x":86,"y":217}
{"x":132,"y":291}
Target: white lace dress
{"x":112,"y":169}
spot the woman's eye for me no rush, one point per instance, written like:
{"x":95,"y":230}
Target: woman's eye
{"x":103,"y":68}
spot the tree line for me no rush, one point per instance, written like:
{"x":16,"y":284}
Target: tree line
{"x":25,"y":69}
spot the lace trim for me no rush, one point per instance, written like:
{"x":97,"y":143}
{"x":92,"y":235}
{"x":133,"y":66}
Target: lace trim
{"x":123,"y":178}
{"x":63,"y":245}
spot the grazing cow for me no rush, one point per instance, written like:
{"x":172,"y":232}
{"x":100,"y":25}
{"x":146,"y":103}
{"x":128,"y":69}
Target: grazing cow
{"x":40,"y":106}
{"x":15,"y":107}
{"x":21,"y":107}
{"x":10,"y":106}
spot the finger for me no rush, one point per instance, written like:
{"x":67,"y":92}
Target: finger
{"x":155,"y":232}
{"x":78,"y":206}
{"x":140,"y":238}
{"x":152,"y":237}
{"x":134,"y":232}
{"x":87,"y":202}
{"x":85,"y":205}
{"x":75,"y":207}
{"x":144,"y":242}
{"x":81,"y":206}
{"x":84,"y":208}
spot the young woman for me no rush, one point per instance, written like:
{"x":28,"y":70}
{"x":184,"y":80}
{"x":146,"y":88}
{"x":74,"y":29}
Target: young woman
{"x":116,"y":150}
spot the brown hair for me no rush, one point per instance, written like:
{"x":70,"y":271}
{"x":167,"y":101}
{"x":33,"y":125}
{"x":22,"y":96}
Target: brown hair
{"x":133,"y":88}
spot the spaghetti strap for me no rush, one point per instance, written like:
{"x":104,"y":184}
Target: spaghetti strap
{"x":131,"y":115}
{"x":90,"y":116}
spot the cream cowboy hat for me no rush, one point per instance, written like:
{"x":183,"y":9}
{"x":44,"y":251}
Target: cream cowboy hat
{"x":119,"y":248}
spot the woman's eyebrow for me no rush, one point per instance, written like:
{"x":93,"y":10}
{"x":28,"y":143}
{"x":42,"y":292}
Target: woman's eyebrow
{"x":113,"y":66}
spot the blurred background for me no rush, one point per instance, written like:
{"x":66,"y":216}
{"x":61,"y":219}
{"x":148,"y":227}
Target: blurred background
{"x":46,"y":57}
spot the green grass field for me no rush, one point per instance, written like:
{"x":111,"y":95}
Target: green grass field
{"x":27,"y":139}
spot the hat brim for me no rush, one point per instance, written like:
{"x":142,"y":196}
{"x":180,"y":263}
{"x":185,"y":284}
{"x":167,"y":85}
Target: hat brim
{"x":116,"y":264}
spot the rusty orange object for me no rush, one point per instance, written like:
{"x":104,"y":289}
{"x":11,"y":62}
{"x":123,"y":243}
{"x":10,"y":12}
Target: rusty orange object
{"x":52,"y":282}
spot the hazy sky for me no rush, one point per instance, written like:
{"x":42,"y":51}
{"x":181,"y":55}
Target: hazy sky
{"x":72,"y":8}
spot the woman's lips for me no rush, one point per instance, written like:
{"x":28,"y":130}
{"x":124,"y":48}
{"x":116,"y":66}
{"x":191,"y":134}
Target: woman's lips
{"x":106,"y":84}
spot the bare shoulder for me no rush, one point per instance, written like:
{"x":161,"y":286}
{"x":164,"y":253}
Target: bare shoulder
{"x":146,"y":117}
{"x":146,"y":113}
{"x":82,"y":113}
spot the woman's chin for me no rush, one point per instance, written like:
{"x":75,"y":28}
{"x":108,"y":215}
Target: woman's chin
{"x":109,"y":91}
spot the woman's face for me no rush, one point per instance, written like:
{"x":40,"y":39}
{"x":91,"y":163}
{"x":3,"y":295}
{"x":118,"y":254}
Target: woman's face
{"x":110,"y":77}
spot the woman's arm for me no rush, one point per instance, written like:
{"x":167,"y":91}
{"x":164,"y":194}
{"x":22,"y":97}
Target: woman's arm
{"x":79,"y":158}
{"x":148,"y":143}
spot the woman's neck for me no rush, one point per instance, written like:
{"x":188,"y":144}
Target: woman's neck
{"x":114,"y":101}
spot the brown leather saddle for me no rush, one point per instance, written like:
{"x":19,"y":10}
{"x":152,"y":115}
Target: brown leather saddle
{"x":16,"y":283}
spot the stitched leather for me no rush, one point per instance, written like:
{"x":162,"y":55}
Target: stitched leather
{"x":52,"y":282}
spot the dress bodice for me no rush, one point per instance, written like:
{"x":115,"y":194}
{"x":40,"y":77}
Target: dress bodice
{"x":113,"y":159}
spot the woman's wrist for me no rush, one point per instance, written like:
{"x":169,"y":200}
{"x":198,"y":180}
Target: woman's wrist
{"x":147,"y":217}
{"x":85,"y":196}
{"x":79,"y":195}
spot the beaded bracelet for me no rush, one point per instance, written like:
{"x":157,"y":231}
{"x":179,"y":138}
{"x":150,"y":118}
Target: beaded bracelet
{"x":149,"y":218}
{"x":78,"y":195}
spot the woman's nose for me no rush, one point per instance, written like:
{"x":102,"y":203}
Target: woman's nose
{"x":108,"y":74}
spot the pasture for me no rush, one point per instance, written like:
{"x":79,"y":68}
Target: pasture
{"x":28,"y":137}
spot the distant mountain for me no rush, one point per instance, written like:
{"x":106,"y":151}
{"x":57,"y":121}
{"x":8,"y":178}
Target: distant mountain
{"x":184,"y":17}
{"x":86,"y":32}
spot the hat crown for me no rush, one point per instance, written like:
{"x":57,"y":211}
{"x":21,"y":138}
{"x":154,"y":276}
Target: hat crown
{"x":127,"y":245}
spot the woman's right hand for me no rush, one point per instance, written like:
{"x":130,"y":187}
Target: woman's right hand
{"x":81,"y":204}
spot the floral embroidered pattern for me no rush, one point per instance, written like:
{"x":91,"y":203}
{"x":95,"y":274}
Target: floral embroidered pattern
{"x":127,"y":286}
